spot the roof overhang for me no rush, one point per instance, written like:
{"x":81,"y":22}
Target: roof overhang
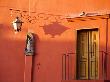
{"x":86,"y":18}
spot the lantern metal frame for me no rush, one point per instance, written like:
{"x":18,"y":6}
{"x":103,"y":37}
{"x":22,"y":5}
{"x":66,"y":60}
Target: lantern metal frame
{"x":17,"y":24}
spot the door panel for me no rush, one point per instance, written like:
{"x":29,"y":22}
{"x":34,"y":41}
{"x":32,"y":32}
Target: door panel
{"x":82,"y":55}
{"x":93,"y":54}
{"x":87,"y":54}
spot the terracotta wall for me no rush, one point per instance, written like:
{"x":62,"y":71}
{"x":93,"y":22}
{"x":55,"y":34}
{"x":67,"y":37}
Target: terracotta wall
{"x":49,"y":49}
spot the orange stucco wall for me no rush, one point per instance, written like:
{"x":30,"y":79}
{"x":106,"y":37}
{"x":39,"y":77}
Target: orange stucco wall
{"x":48,"y":52}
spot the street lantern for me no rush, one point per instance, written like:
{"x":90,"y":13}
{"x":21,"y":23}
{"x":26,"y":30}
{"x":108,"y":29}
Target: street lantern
{"x":17,"y":23}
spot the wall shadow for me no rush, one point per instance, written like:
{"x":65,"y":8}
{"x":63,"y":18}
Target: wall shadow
{"x":107,"y":81}
{"x":54,"y":29}
{"x":34,"y":58}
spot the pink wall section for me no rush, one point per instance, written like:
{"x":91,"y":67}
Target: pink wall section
{"x":47,"y":63}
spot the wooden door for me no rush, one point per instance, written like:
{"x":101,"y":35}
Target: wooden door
{"x":87,"y":54}
{"x":82,"y":59}
{"x":93,"y":54}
